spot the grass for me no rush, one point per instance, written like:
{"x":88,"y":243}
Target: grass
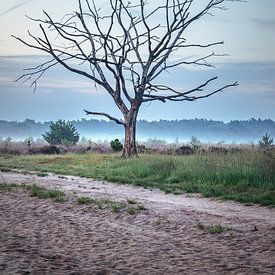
{"x":41,"y":174}
{"x":84,"y":200}
{"x":157,"y":222}
{"x":212,"y":229}
{"x":59,"y":196}
{"x":113,"y":205}
{"x":247,"y":177}
{"x":6,"y":187}
{"x":131,"y":201}
{"x":101,"y":203}
{"x":42,"y":193}
{"x":216,"y":229}
{"x":134,"y":210}
{"x":35,"y":191}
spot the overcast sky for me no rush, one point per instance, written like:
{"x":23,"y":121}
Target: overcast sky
{"x":248,"y":30}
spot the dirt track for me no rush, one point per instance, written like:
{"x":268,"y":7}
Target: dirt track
{"x":172,"y":236}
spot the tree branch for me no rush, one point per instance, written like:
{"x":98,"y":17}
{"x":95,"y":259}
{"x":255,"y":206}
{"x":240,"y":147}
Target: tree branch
{"x":184,"y":96}
{"x":106,"y":115}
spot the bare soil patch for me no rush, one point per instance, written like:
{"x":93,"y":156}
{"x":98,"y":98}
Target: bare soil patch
{"x":175,"y":235}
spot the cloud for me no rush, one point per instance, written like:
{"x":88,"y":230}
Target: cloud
{"x":14,"y":7}
{"x":264,"y":22}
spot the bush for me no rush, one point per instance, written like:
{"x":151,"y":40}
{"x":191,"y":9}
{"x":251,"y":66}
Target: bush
{"x":47,"y":150}
{"x":116,"y":145}
{"x":184,"y":150}
{"x":61,"y":132}
{"x":195,"y":143}
{"x":266,"y":141}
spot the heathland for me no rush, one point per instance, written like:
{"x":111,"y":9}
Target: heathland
{"x":244,"y":174}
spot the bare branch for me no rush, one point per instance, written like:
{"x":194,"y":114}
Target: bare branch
{"x":106,"y":115}
{"x":183,"y":96}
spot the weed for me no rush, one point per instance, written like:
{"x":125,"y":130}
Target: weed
{"x":84,"y":200}
{"x":42,"y":193}
{"x":141,"y":207}
{"x":6,"y":187}
{"x":232,"y":235}
{"x":216,"y":229}
{"x":101,"y":203}
{"x":131,"y":201}
{"x":42,"y":174}
{"x":200,"y":226}
{"x":136,"y":210}
{"x":60,"y":199}
{"x":115,"y":207}
{"x":132,"y":210}
{"x":157,"y":222}
{"x":212,"y":229}
{"x":38,"y":191}
{"x":177,"y":192}
{"x":3,"y":169}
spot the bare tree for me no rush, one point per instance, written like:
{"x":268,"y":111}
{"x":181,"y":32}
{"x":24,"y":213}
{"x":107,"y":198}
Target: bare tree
{"x":124,"y":49}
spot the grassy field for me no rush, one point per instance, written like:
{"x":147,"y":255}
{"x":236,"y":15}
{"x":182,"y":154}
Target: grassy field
{"x":247,"y":177}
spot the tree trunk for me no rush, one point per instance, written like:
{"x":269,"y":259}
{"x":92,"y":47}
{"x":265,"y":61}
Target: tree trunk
{"x":130,"y":148}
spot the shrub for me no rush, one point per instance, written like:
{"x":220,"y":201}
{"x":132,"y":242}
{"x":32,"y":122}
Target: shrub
{"x":266,"y":141}
{"x":61,"y":132}
{"x":184,"y":150}
{"x":47,"y":150}
{"x":116,"y":145}
{"x":195,"y":143}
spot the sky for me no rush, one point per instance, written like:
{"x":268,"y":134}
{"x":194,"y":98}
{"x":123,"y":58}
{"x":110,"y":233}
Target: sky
{"x":248,"y":32}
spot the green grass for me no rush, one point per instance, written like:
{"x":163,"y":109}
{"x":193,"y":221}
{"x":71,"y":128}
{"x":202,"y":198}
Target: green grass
{"x":216,"y":229}
{"x":134,"y":210}
{"x":157,"y":222}
{"x":101,"y":203}
{"x":113,"y":205}
{"x":41,"y":174}
{"x":35,"y":191}
{"x":212,"y":229}
{"x":247,"y":177}
{"x":131,"y":201}
{"x":84,"y":200}
{"x":6,"y":187}
{"x":42,"y":193}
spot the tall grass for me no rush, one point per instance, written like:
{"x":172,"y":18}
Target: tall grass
{"x":246,"y":176}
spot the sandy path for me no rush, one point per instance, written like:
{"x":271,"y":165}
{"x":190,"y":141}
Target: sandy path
{"x":41,"y":236}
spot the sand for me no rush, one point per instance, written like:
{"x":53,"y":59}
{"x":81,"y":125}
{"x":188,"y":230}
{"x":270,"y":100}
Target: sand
{"x":172,"y":236}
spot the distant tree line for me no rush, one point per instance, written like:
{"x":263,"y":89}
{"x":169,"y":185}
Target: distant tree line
{"x":172,"y":130}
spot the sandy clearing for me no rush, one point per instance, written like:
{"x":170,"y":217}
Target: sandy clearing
{"x":40,"y":236}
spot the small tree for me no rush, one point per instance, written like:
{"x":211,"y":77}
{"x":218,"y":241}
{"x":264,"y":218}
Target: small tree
{"x":116,"y":145}
{"x":61,"y":132}
{"x":266,"y":141}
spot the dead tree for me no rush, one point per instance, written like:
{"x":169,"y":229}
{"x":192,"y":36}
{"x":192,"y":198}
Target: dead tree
{"x":125,"y":49}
